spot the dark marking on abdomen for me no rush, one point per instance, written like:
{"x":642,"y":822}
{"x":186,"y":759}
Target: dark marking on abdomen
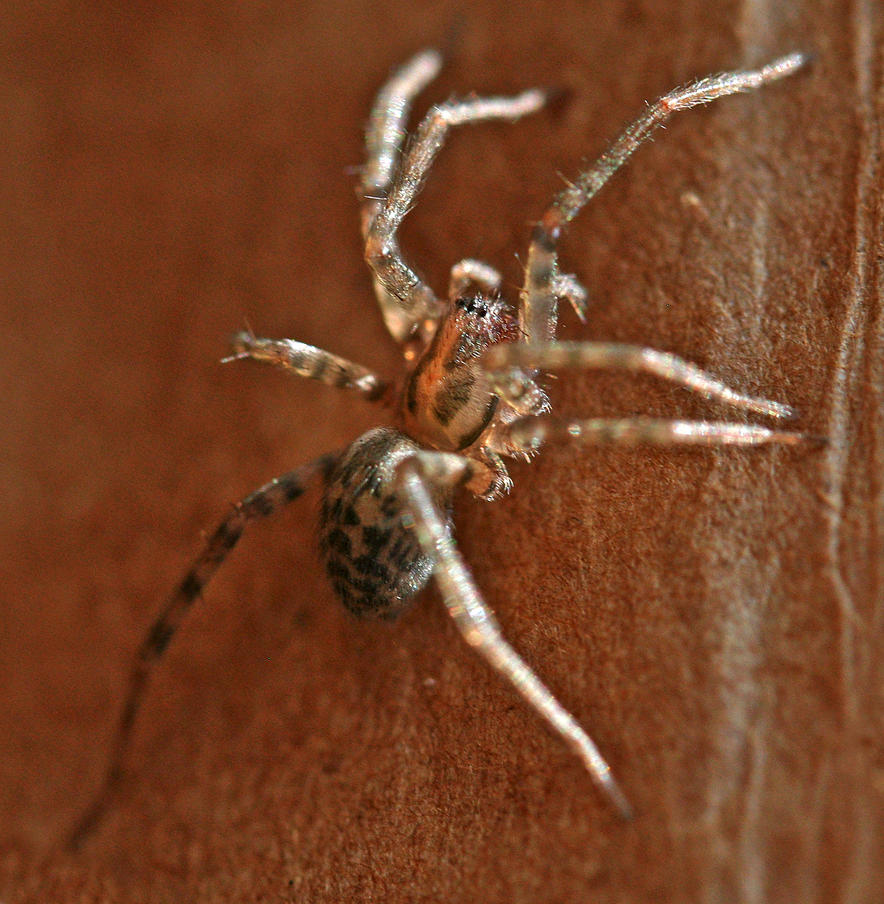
{"x":374,"y":562}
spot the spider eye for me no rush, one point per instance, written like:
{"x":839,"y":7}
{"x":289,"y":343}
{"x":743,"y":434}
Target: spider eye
{"x":473,"y":305}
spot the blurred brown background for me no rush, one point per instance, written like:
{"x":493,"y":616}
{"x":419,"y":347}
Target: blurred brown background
{"x":714,"y":618}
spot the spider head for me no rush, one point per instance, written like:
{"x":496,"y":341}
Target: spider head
{"x":448,"y":401}
{"x":472,"y":323}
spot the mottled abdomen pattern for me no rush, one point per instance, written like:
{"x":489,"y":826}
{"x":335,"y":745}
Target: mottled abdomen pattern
{"x":374,"y":562}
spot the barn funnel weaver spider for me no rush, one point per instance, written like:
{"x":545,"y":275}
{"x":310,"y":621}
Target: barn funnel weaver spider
{"x":470,"y":398}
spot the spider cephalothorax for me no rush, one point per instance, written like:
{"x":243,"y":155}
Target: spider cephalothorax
{"x":468,"y":401}
{"x":449,"y":400}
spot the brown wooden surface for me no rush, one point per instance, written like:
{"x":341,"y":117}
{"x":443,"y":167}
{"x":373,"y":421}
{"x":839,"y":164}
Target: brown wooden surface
{"x":714,"y":618}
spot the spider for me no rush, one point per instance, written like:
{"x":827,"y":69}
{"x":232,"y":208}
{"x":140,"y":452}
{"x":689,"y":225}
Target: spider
{"x":470,"y":399}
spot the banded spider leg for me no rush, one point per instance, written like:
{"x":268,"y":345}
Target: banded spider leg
{"x":391,"y":184}
{"x":301,"y":360}
{"x":541,"y":291}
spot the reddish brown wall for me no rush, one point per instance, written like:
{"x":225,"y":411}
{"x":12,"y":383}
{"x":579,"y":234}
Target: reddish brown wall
{"x":713,"y":617}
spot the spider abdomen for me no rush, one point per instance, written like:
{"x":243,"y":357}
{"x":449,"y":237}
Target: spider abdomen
{"x":374,"y":562}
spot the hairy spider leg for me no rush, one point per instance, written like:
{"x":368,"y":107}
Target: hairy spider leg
{"x":387,"y":129}
{"x":304,"y":360}
{"x":538,"y":299}
{"x":382,"y":252}
{"x":566,"y":288}
{"x":530,"y":433}
{"x":383,"y":140}
{"x":505,"y":364}
{"x":264,"y":501}
{"x":476,"y":621}
{"x":470,"y":272}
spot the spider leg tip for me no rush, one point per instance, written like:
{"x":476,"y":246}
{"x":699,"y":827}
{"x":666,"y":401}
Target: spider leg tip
{"x":618,"y":799}
{"x":801,"y":58}
{"x":776,"y":409}
{"x":556,"y":98}
{"x":433,"y":57}
{"x":788,"y":64}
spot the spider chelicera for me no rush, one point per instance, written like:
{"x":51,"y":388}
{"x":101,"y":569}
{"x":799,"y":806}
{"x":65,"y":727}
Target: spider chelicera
{"x":469,"y":400}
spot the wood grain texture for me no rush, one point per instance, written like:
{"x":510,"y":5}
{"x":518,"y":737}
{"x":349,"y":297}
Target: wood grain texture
{"x":713,"y":618}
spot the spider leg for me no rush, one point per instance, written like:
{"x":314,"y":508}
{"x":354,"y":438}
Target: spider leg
{"x":566,"y":287}
{"x":265,"y":501}
{"x":505,"y":362}
{"x":537,"y":308}
{"x":470,"y":272}
{"x":476,"y":621}
{"x":386,"y":129}
{"x":383,"y":140}
{"x":530,"y":433}
{"x":304,"y":360}
{"x":490,"y":479}
{"x":414,"y":297}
